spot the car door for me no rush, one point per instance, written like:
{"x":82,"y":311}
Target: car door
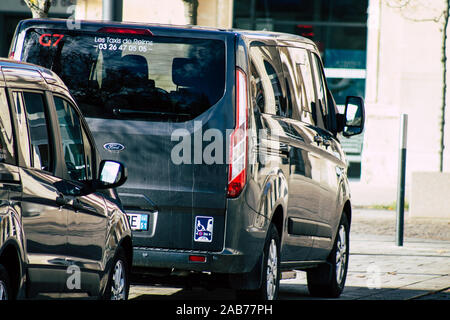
{"x":44,"y":217}
{"x":87,"y":217}
{"x":272,"y":98}
{"x":333,"y":166}
{"x":306,"y":164}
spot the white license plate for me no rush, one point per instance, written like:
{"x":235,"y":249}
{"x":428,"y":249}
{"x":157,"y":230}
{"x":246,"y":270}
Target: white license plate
{"x":138,"y":221}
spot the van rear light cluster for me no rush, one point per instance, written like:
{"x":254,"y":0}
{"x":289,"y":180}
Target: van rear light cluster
{"x":237,"y":175}
{"x":144,"y":32}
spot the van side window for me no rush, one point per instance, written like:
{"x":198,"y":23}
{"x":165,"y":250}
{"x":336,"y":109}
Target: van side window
{"x":6,"y":136}
{"x":22,"y":128}
{"x":290,"y":76}
{"x":38,"y":130}
{"x":320,"y":89}
{"x":257,"y":88}
{"x":305,"y":84}
{"x":77,"y":155}
{"x":268,"y":90}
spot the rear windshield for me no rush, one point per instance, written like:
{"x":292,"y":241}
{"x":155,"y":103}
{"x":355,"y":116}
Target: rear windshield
{"x":128,"y":76}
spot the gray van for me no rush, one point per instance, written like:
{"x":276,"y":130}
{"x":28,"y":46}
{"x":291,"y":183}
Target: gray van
{"x":232,"y":141}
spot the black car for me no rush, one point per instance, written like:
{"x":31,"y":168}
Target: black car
{"x":62,"y":229}
{"x":232,"y":139}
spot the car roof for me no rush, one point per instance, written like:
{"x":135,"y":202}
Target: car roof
{"x":93,"y":25}
{"x":11,"y":70}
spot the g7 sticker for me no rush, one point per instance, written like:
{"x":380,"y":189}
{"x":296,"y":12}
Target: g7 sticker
{"x":47,"y":39}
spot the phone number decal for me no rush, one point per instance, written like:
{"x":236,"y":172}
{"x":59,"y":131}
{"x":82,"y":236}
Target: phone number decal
{"x":122,"y":44}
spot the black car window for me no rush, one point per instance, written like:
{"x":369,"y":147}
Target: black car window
{"x":38,"y":130}
{"x":78,"y":159}
{"x":320,"y":90}
{"x":22,"y":129}
{"x":266,"y":72}
{"x":6,"y":136}
{"x":305,"y":83}
{"x":130,"y":76}
{"x":292,"y":93}
{"x":257,"y":88}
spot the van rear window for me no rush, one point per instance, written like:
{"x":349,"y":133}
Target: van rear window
{"x":131,"y":76}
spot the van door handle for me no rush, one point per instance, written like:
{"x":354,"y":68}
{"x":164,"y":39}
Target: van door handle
{"x":285,"y":149}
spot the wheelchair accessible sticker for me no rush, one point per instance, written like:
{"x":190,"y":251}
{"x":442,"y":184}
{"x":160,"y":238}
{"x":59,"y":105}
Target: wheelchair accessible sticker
{"x":203,"y":229}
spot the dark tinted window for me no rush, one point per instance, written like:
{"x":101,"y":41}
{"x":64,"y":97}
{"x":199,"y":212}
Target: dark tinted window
{"x":303,"y":10}
{"x":305,"y":84}
{"x":77,"y":158}
{"x":295,"y":92}
{"x":133,"y":76}
{"x":321,"y":91}
{"x":267,"y":80}
{"x":38,"y":130}
{"x":6,"y":135}
{"x":22,"y":130}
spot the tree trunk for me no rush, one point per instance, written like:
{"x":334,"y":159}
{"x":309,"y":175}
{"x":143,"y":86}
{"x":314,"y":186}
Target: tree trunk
{"x":39,"y":8}
{"x":192,"y":6}
{"x":444,"y":86}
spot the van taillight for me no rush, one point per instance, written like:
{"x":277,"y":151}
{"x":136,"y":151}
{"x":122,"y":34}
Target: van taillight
{"x":237,"y":175}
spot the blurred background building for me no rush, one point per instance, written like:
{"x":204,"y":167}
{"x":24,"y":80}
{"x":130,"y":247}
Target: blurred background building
{"x":388,"y":51}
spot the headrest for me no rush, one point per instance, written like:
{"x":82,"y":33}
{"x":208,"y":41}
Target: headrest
{"x":135,"y":65}
{"x":185,"y":72}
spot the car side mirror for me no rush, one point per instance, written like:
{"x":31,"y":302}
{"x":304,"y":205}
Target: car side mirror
{"x":112,"y":174}
{"x":354,"y":116}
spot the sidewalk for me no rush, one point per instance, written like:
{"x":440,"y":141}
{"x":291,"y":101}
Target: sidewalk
{"x":380,"y":270}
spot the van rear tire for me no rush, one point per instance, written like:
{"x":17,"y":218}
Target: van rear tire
{"x":270,"y":277}
{"x":328,"y":279}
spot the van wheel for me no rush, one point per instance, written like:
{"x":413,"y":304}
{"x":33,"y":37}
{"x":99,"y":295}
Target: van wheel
{"x":328,"y":280}
{"x":118,"y":282}
{"x":270,"y":283}
{"x":5,"y":290}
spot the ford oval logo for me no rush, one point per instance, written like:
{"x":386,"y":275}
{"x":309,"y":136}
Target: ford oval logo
{"x":113,"y":146}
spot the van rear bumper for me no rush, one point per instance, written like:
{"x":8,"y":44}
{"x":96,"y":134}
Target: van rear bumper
{"x":226,"y":261}
{"x":244,"y":242}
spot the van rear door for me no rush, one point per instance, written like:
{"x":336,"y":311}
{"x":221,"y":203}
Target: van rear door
{"x":159,"y":101}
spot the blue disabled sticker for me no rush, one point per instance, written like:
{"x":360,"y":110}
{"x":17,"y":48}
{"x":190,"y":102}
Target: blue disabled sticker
{"x":203,"y":229}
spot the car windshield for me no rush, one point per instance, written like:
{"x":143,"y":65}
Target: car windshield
{"x":131,"y":76}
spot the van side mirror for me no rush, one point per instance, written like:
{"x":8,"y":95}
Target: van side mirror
{"x":112,"y":174}
{"x":354,"y":116}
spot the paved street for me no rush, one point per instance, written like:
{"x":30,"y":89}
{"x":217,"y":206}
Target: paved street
{"x":378,"y":269}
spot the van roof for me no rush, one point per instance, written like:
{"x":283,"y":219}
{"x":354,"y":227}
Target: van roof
{"x":41,"y":74}
{"x":93,"y":25}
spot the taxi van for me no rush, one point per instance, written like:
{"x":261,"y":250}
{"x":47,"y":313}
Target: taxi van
{"x":232,"y":140}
